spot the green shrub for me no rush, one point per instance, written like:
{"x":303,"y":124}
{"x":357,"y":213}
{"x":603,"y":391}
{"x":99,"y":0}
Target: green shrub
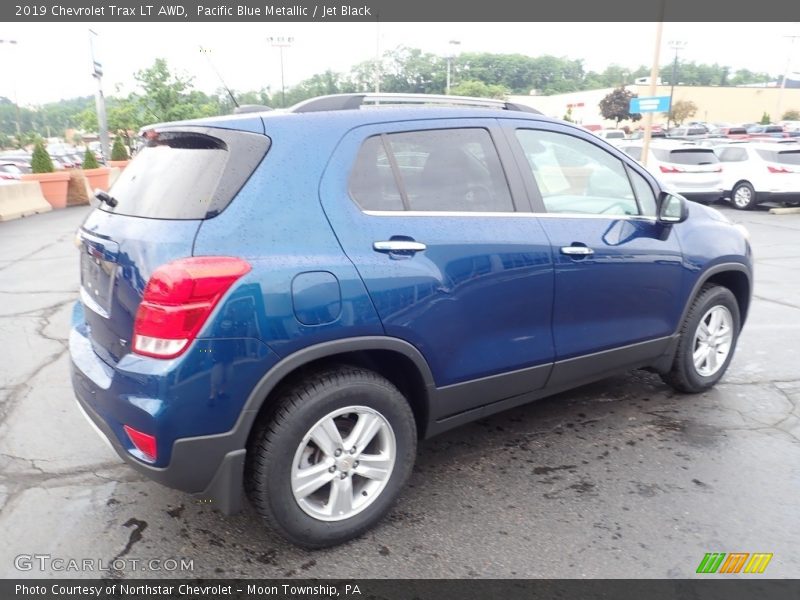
{"x":118,"y":150}
{"x":765,"y":119}
{"x":41,"y":161}
{"x":791,"y":115}
{"x":89,"y":160}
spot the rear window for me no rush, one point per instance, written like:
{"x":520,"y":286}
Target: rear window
{"x":686,"y":156}
{"x":614,"y":135}
{"x":785,"y":157}
{"x":187,"y":174}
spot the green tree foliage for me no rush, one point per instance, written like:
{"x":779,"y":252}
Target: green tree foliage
{"x":765,"y":119}
{"x":164,"y":95}
{"x":89,"y":160}
{"x":118,"y":150}
{"x":615,"y":106}
{"x":478,"y":89}
{"x":40,"y":160}
{"x":791,"y":115}
{"x":682,"y":110}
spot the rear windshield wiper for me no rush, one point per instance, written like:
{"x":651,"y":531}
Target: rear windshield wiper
{"x":106,"y":197}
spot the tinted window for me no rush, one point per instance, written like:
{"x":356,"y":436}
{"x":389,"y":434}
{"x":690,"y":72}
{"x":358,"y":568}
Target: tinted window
{"x":372,"y":184}
{"x":575,"y":176}
{"x":186,"y":175}
{"x":452,"y":170}
{"x":787,"y":157}
{"x":733,"y":155}
{"x":686,"y":156}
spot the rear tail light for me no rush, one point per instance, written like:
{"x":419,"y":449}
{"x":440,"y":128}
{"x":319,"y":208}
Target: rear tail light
{"x":772,"y":169}
{"x":670,"y":169}
{"x":145,"y":443}
{"x":178,"y":300}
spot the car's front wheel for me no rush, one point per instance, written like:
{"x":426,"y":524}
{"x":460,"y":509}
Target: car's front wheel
{"x":330,"y":462}
{"x":707,"y":340}
{"x":743,"y":196}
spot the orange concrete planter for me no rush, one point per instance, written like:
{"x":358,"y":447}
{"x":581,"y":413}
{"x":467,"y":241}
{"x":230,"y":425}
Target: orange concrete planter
{"x":54,"y":186}
{"x":97,"y":178}
{"x":121,"y":164}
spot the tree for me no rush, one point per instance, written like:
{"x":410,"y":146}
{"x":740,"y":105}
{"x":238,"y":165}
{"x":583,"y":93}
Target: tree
{"x":682,"y":110}
{"x":40,"y":160}
{"x":89,"y":160}
{"x":765,"y":118}
{"x":791,"y":115}
{"x":118,"y":151}
{"x":478,"y":89}
{"x":616,"y":106}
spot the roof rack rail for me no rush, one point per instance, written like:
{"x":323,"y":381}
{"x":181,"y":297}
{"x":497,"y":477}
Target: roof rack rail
{"x":356,"y":101}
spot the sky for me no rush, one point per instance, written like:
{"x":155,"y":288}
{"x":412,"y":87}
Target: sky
{"x":51,"y":60}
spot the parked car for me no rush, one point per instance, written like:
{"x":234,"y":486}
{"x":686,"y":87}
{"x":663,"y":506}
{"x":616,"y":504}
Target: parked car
{"x":732,"y":133}
{"x":9,"y":170}
{"x":689,"y":132}
{"x":692,"y":170}
{"x":366,"y":302}
{"x":760,"y":172}
{"x":21,"y":162}
{"x":766,"y":132}
{"x":610,"y":134}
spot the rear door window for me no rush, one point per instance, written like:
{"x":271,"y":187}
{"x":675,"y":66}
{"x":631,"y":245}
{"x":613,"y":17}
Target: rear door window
{"x":451,"y":170}
{"x":187,"y":174}
{"x":733,"y":155}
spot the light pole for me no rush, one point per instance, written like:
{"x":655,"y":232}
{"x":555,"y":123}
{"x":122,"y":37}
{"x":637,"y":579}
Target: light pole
{"x":281,"y":43}
{"x":99,"y":99}
{"x":786,"y":71}
{"x":676,"y":45}
{"x":451,"y":49}
{"x":13,"y":43}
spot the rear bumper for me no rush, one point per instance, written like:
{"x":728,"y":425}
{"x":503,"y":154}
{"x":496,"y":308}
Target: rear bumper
{"x":210,"y":467}
{"x":158,"y":398}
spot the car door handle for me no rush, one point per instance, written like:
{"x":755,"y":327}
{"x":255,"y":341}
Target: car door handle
{"x":576,"y":250}
{"x":399,"y":246}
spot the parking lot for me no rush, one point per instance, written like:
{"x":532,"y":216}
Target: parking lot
{"x":623,"y":478}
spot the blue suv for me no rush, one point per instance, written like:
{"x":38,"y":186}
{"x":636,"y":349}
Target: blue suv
{"x":283,"y":303}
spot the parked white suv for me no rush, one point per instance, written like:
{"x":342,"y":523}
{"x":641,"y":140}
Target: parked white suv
{"x":691,"y":170}
{"x":757,"y":172}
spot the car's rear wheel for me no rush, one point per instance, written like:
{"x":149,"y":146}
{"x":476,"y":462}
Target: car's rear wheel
{"x":333,"y":458}
{"x":743,"y":196}
{"x":707,"y":340}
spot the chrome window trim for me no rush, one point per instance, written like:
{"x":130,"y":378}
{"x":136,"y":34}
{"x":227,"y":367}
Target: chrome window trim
{"x":437,"y":213}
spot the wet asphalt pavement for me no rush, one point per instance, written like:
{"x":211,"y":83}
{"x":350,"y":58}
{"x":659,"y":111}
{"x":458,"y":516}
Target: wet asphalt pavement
{"x":623,"y":478}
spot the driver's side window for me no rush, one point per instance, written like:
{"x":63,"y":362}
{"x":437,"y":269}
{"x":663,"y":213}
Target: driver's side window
{"x":575,"y":176}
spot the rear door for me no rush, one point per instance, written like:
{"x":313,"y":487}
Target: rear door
{"x":431,"y":217}
{"x":179,"y":178}
{"x":617,"y":270}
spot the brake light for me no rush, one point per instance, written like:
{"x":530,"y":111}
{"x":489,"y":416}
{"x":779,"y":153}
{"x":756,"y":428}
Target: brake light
{"x":177,"y":301}
{"x":772,"y":169}
{"x":145,"y":443}
{"x":670,"y":169}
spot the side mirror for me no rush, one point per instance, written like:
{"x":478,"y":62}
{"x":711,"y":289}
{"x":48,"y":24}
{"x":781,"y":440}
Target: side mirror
{"x":672,"y":209}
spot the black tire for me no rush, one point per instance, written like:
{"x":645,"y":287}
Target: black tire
{"x":276,"y":441}
{"x":684,"y":375}
{"x":743,"y":196}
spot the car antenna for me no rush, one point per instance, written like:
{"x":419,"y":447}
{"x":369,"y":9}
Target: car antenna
{"x":207,"y":52}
